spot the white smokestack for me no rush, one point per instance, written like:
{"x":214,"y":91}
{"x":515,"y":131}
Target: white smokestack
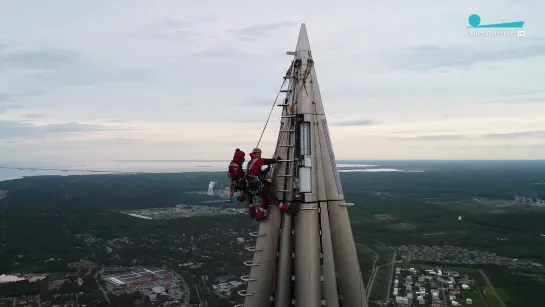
{"x":211,"y":188}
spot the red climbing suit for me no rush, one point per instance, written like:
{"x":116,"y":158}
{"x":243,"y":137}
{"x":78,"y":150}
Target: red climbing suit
{"x":251,"y":206}
{"x":254,"y":169}
{"x":236,"y":173}
{"x":235,"y":167}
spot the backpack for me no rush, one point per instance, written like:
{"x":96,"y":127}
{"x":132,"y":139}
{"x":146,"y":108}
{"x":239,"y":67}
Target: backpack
{"x":235,"y":171}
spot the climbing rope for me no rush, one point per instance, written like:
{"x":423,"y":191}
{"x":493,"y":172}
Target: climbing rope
{"x":270,"y":113}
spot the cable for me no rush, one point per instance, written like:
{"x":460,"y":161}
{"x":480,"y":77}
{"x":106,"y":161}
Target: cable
{"x":270,"y":113}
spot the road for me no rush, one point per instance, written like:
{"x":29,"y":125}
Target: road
{"x":104,"y":293}
{"x":371,"y":282}
{"x":444,"y":297}
{"x":198,"y":294}
{"x":179,"y":276}
{"x":491,"y":287}
{"x":387,"y":298}
{"x":373,"y":270}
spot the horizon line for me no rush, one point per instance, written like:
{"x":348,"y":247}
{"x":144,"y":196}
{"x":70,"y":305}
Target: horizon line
{"x":351,"y":159}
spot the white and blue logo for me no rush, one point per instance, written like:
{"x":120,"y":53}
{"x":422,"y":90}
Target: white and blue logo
{"x":475,"y":22}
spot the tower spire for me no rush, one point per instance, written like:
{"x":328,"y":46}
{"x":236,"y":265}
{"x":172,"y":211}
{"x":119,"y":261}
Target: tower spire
{"x":303,"y":42}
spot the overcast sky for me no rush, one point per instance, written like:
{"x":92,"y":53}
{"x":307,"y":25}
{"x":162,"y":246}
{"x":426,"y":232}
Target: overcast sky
{"x":82,"y":81}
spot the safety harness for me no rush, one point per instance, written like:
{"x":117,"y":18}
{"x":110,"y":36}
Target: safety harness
{"x":236,"y":174}
{"x":253,"y":183}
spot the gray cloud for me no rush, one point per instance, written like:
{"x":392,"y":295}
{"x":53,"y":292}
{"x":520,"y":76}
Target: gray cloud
{"x":361,"y":122}
{"x":5,"y":108}
{"x":113,"y":121}
{"x":520,"y":98}
{"x":122,"y":140}
{"x":170,"y":30}
{"x":16,"y":95}
{"x":227,"y":53}
{"x":34,"y":115}
{"x":259,"y":102}
{"x":510,"y":135}
{"x":65,"y":66}
{"x":439,"y":137}
{"x":429,"y":57}
{"x":41,"y":59}
{"x":524,"y":134}
{"x":498,"y":146}
{"x":252,"y":33}
{"x":22,"y":129}
{"x":209,"y":68}
{"x":252,"y":120}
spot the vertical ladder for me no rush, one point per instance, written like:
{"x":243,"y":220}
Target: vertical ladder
{"x":290,"y":132}
{"x":287,"y":139}
{"x":286,"y":131}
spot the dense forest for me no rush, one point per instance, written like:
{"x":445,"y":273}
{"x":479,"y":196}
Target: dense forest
{"x":43,"y":215}
{"x":40,"y":208}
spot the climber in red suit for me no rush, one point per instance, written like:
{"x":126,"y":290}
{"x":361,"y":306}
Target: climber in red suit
{"x":255,"y":178}
{"x":251,"y":206}
{"x":236,"y":173}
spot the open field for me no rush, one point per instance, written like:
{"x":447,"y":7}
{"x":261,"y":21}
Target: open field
{"x":384,"y":217}
{"x":380,"y":286}
{"x":401,"y":226}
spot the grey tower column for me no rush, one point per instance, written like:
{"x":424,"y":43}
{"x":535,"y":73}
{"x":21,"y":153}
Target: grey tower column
{"x":309,"y":258}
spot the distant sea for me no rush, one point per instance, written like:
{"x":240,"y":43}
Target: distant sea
{"x":20,"y":170}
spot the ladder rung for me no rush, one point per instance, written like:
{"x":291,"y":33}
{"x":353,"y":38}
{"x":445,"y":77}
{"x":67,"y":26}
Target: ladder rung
{"x":244,"y":293}
{"x":287,"y":130}
{"x":285,"y":91}
{"x":288,"y":116}
{"x":253,"y":249}
{"x":286,"y":145}
{"x":283,"y":105}
{"x":285,"y":160}
{"x":284,"y":190}
{"x":250,"y":263}
{"x":247,"y":278}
